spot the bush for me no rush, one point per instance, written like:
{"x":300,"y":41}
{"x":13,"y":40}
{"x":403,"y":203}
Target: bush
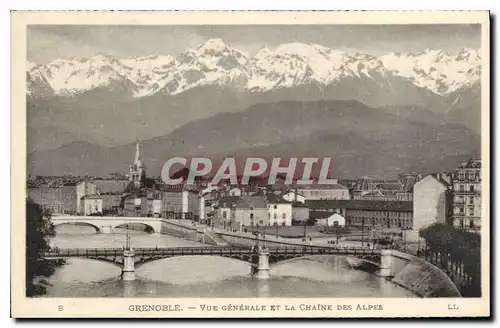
{"x":462,"y":247}
{"x":39,"y":229}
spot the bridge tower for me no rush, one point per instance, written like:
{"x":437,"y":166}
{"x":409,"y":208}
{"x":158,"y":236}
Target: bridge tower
{"x":128,"y":269}
{"x":385,"y":263}
{"x":262,"y":270}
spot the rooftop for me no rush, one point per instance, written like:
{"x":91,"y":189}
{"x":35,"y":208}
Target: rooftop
{"x":255,"y":202}
{"x":91,"y":197}
{"x":298,"y":204}
{"x":369,"y":205}
{"x":226,"y":202}
{"x":275,"y":199}
{"x":318,"y":186}
{"x":471,"y":164}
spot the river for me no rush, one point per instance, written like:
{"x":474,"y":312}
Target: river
{"x":203,"y":276}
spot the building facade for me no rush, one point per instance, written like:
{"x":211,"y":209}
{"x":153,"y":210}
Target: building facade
{"x":466,"y":184}
{"x":64,"y":198}
{"x":181,"y":203}
{"x":334,"y":220}
{"x":58,"y":200}
{"x":110,"y":186}
{"x":279,"y":210}
{"x":252,"y":211}
{"x":224,"y":211}
{"x":294,"y":196}
{"x":111,"y":202}
{"x":300,"y":212}
{"x":323,"y":192}
{"x":91,"y":205}
{"x":84,"y":188}
{"x":431,"y":202}
{"x":384,"y":214}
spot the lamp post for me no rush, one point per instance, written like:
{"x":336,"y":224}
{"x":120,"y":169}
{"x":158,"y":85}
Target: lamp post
{"x":337,"y":234}
{"x":418,"y":246}
{"x":252,"y":218}
{"x":127,"y":241}
{"x":362,"y":232}
{"x":404,"y":238}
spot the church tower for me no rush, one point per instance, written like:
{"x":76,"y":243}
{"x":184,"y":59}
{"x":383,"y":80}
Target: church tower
{"x":137,"y":172}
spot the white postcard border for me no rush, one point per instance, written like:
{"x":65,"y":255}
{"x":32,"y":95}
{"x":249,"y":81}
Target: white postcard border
{"x":23,"y":307}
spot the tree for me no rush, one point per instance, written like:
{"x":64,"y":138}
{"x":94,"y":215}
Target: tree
{"x":461,"y":246}
{"x":39,"y":229}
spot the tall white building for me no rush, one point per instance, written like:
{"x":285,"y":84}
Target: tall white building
{"x":431,"y":202}
{"x":279,"y":210}
{"x":466,"y":182}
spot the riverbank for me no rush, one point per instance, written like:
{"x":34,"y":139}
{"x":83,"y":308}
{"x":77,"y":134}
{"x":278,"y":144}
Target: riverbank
{"x":203,"y":276}
{"x":408,"y":271}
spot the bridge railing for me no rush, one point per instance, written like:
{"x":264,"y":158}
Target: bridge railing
{"x":176,"y":251}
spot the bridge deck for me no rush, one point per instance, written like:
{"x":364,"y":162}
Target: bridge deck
{"x":184,"y":251}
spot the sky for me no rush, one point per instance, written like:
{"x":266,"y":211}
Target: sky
{"x":48,"y":42}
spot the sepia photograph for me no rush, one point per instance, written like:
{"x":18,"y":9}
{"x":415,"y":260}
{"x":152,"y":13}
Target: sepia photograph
{"x":240,"y":165}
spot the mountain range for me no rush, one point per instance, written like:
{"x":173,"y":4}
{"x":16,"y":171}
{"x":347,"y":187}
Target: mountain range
{"x":360,"y":140}
{"x":289,"y":65}
{"x":414,"y":110}
{"x":151,"y":96}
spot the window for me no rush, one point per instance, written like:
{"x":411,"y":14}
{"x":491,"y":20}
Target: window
{"x":283,"y":216}
{"x":471,"y":188}
{"x":471,"y":224}
{"x":251,"y":216}
{"x":275,"y":216}
{"x":462,"y":188}
{"x":471,"y":210}
{"x":471,"y":200}
{"x":261,"y":222}
{"x":461,"y":209}
{"x":275,"y":206}
{"x":462,"y":223}
{"x":224,"y":215}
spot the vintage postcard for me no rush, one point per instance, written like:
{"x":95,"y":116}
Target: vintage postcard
{"x":250,"y":164}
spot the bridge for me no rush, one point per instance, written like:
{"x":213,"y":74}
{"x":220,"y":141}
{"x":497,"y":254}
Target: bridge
{"x":259,"y":256}
{"x":104,"y":224}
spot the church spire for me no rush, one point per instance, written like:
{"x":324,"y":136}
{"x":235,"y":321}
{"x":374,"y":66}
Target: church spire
{"x":137,"y":153}
{"x":137,"y":170}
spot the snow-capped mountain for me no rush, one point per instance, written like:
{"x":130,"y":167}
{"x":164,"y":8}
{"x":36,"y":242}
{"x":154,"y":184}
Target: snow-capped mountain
{"x":216,"y":63}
